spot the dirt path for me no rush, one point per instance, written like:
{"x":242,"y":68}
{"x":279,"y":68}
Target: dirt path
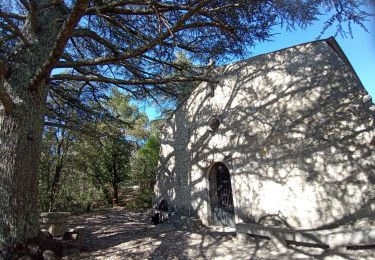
{"x":121,"y":234}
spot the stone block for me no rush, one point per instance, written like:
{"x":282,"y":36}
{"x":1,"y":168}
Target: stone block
{"x":81,"y":230}
{"x":54,"y":220}
{"x":53,"y":215}
{"x":57,"y":230}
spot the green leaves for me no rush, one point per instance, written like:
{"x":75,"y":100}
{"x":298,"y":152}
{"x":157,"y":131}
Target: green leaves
{"x":144,"y":165}
{"x":124,"y":151}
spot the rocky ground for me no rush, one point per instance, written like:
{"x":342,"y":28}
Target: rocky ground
{"x":121,"y":234}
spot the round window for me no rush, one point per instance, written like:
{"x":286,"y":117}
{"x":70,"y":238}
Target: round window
{"x":214,"y":123}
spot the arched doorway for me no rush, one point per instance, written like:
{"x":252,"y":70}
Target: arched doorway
{"x":222,"y":210}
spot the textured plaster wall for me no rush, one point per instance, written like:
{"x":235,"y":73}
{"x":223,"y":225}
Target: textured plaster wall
{"x":295,"y":134}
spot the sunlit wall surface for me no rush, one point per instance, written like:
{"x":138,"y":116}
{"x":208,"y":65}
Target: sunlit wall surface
{"x":296,"y":133}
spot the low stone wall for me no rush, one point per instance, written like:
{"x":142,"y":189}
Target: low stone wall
{"x":54,"y":222}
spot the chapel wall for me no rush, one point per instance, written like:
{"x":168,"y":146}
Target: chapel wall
{"x":295,"y":134}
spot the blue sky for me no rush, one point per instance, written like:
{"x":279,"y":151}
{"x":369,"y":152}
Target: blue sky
{"x":360,"y":49}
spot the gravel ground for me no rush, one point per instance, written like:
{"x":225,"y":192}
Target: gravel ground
{"x":121,"y":234}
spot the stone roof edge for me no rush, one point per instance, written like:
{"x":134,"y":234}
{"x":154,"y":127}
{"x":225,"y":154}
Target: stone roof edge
{"x":331,"y":41}
{"x":271,"y":52}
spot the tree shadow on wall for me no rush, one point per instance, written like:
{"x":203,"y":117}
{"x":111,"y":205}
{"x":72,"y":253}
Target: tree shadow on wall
{"x":295,"y":132}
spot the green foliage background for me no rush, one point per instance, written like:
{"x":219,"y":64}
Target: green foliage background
{"x":80,"y":171}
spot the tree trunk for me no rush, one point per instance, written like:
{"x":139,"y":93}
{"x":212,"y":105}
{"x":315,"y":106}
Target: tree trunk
{"x":20,"y":143}
{"x":21,"y":131}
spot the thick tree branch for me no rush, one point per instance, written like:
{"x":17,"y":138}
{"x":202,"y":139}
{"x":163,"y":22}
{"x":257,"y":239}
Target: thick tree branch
{"x":63,"y":126}
{"x":146,"y":81}
{"x":178,"y":26}
{"x":5,"y":70}
{"x":139,"y":35}
{"x":94,"y":36}
{"x":60,"y":43}
{"x":162,"y":62}
{"x":121,"y":11}
{"x":13,"y":15}
{"x":118,"y":8}
{"x":114,"y":4}
{"x":133,"y":69}
{"x":33,"y":15}
{"x":107,"y":60}
{"x":116,"y":60}
{"x":67,"y":57}
{"x":6,"y":99}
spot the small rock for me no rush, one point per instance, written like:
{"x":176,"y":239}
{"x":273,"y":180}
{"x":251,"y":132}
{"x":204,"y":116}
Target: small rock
{"x":57,"y":230}
{"x":80,"y":230}
{"x":49,"y":255}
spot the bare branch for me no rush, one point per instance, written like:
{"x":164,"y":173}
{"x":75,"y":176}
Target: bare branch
{"x":67,"y":57}
{"x":60,"y":43}
{"x":14,"y":28}
{"x":122,"y":11}
{"x":25,"y":4}
{"x":114,"y":4}
{"x":79,"y":51}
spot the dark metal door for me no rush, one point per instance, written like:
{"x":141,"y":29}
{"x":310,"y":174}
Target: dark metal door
{"x":221,"y":196}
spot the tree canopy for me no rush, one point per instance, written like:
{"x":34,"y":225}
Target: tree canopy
{"x":132,"y":45}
